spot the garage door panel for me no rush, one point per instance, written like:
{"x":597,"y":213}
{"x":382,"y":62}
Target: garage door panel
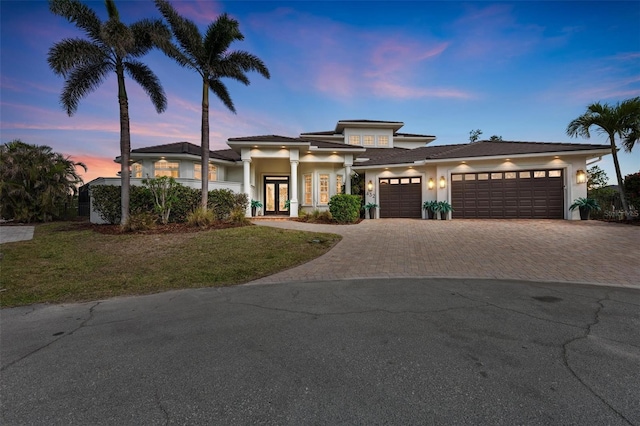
{"x":509,"y":195}
{"x":402,"y":197}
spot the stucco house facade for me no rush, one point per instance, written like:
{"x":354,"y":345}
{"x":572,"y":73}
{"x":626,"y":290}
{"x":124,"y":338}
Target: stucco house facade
{"x":484,"y":179}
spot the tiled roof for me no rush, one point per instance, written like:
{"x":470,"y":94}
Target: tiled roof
{"x":369,"y":121}
{"x":323,"y":132}
{"x":477,"y":149}
{"x":301,"y":141}
{"x":413,"y":135}
{"x":187,"y":148}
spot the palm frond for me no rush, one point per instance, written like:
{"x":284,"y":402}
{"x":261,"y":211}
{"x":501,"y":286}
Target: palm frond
{"x":80,"y":15}
{"x":220,"y":90}
{"x":148,"y":33}
{"x":220,"y":34}
{"x":143,"y":75}
{"x":68,"y":54}
{"x":185,"y":31}
{"x":248,"y":62}
{"x":82,"y":81}
{"x":112,"y":10}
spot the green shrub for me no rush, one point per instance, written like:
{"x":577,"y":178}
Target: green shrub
{"x":200,"y":217}
{"x":345,"y":208}
{"x":141,"y":221}
{"x":238,"y":216}
{"x":106,"y":201}
{"x":164,"y":193}
{"x":188,"y":200}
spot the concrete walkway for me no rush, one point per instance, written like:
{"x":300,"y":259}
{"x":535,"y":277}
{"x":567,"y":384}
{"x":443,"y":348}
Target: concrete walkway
{"x":590,"y":252}
{"x":10,"y":234}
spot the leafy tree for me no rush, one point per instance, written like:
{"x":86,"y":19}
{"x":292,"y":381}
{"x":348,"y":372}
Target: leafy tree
{"x":496,"y":138}
{"x":109,"y":46}
{"x":474,"y":135}
{"x":596,"y":178}
{"x":35,"y":181}
{"x":165,"y":194}
{"x":632,"y":189}
{"x":622,"y":119}
{"x":210,"y":57}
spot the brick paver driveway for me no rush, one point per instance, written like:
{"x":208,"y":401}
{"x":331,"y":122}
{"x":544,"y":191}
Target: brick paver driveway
{"x":539,"y":250}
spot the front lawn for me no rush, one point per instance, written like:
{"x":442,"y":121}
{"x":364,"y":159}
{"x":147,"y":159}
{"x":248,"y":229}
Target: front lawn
{"x":68,"y":263}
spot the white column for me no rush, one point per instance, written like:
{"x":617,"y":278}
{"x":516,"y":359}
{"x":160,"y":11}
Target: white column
{"x":246,"y":163}
{"x":347,"y":179}
{"x":293,"y":205}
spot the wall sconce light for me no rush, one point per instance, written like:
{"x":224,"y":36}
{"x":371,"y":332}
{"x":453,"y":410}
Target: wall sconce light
{"x":370,"y":186}
{"x":443,"y":182}
{"x":581,"y":176}
{"x":431,"y":184}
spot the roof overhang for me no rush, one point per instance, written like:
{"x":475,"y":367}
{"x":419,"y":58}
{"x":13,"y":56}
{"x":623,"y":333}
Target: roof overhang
{"x":133,"y":157}
{"x":394,"y":125}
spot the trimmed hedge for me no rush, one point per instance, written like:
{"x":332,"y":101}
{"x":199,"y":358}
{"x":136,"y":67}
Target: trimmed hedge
{"x":106,"y":201}
{"x":345,"y":208}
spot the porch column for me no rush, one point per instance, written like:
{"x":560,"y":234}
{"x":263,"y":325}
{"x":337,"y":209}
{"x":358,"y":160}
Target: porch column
{"x":347,"y":179}
{"x":246,"y":163}
{"x":293,"y":201}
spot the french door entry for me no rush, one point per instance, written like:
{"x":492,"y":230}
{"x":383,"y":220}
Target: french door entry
{"x":276,"y":194}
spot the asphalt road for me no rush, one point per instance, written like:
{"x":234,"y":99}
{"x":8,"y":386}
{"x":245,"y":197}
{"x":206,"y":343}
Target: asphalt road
{"x":394,"y":351}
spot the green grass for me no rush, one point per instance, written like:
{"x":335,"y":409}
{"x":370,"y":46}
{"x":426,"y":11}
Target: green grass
{"x":66,"y":264}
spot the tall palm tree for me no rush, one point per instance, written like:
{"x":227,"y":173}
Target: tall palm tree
{"x":622,"y":119}
{"x":112,"y":46}
{"x":210,"y":57}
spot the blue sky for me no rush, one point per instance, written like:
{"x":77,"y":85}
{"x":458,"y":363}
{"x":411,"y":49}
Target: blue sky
{"x":522,"y":70}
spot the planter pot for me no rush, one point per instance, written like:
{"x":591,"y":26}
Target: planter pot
{"x":429,"y":214}
{"x":371,"y":213}
{"x":443,"y":215}
{"x":253,"y":211}
{"x":584,"y":213}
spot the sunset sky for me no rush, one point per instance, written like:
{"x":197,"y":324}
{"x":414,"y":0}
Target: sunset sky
{"x":522,"y":70}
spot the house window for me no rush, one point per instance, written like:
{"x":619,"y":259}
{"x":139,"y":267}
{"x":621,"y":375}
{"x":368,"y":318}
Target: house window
{"x":383,"y":140}
{"x":308,"y":200}
{"x":339,"y":184}
{"x":368,"y":140}
{"x":539,"y":174}
{"x":324,"y":189}
{"x":354,"y":140}
{"x":166,"y":168}
{"x":555,"y":173}
{"x":136,"y":170}
{"x":197,"y":172}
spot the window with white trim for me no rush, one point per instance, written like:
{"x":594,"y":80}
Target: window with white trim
{"x":324,"y":189}
{"x":197,"y":172}
{"x":368,"y":140}
{"x":308,"y":190}
{"x":354,"y":140}
{"x":339,"y":184}
{"x":136,"y":170}
{"x":383,"y":140}
{"x":166,"y":168}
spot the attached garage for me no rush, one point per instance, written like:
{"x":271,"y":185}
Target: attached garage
{"x":527,"y":194}
{"x":401,"y":197}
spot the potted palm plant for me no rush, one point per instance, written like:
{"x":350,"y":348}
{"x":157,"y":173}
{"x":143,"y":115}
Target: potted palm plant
{"x":429,"y":209}
{"x":444,"y":208}
{"x":371,"y":209}
{"x":584,"y":205}
{"x":255,"y":204}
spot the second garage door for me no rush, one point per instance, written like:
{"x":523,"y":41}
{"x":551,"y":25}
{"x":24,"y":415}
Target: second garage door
{"x":528,"y":194}
{"x":400,"y":197}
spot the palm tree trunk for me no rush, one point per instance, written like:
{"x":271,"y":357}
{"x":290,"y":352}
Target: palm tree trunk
{"x":614,"y":153}
{"x":204,"y":143}
{"x":125,"y":145}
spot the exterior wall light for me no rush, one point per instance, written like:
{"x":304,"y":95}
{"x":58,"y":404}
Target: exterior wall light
{"x":581,"y":176}
{"x":443,"y":182}
{"x":431,"y":184}
{"x":370,"y":186}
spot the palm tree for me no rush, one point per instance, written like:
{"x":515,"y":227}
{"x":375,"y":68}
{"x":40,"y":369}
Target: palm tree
{"x":112,"y":46}
{"x":35,"y":181}
{"x":210,"y":57}
{"x":622,"y":119}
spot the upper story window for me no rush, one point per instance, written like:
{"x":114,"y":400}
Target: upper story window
{"x":383,"y":140}
{"x":166,"y":168}
{"x":197,"y":172}
{"x":354,"y":140}
{"x":136,"y":170}
{"x":368,"y":140}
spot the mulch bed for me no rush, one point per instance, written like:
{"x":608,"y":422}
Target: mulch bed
{"x":170,"y":228}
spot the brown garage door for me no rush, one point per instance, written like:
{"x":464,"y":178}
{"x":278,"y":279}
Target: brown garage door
{"x":529,"y":194}
{"x":400,"y":197}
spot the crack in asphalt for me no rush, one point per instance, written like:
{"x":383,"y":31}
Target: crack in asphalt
{"x":164,"y":411}
{"x":81,"y":325}
{"x":565,"y":359}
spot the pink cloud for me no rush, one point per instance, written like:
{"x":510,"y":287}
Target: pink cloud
{"x":200,"y":11}
{"x":389,"y":89}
